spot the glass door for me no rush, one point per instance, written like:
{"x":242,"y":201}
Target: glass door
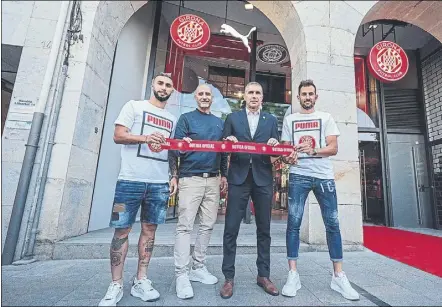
{"x":372,"y":193}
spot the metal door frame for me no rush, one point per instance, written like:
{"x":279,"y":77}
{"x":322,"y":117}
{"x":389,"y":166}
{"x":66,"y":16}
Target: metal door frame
{"x":386,"y":193}
{"x":384,"y":151}
{"x":388,"y":207}
{"x":428,"y":151}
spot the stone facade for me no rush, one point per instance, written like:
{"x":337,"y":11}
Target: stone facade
{"x":30,"y":25}
{"x":321,"y":46}
{"x":432,"y":79}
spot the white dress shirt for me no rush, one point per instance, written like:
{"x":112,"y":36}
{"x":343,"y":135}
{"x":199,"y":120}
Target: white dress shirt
{"x":253,"y":119}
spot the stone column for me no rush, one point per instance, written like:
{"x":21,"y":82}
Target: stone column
{"x":330,"y":41}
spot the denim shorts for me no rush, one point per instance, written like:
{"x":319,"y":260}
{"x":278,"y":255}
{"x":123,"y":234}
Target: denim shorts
{"x":130,"y":195}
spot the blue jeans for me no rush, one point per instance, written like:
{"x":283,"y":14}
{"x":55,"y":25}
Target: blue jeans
{"x":130,"y":195}
{"x":325,"y":192}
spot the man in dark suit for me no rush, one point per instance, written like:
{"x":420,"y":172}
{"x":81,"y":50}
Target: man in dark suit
{"x":249,"y":175}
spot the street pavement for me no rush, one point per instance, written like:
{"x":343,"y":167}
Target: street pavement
{"x":379,"y":280}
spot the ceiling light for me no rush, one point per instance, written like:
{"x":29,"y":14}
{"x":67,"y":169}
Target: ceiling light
{"x":248,"y":6}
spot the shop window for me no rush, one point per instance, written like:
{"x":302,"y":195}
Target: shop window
{"x":273,"y":86}
{"x":229,"y":81}
{"x":366,"y":96}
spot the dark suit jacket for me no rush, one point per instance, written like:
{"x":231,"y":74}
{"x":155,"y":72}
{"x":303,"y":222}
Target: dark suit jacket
{"x":236,"y":124}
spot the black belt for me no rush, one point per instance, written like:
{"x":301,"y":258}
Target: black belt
{"x":204,"y":175}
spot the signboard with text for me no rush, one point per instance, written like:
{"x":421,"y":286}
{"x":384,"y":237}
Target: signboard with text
{"x":190,"y":32}
{"x":387,"y":61}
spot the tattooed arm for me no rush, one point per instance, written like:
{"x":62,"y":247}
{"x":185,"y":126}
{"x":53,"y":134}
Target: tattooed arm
{"x":173,"y":163}
{"x":223,"y":164}
{"x":173,"y":170}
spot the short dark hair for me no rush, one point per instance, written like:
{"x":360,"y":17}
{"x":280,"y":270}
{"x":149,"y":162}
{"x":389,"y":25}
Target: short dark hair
{"x":305,"y":83}
{"x":162,"y":74}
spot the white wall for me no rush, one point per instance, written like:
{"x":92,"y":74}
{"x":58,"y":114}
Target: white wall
{"x":30,"y":24}
{"x":16,"y":16}
{"x":132,"y":56}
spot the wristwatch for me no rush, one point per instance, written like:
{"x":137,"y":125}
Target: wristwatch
{"x":314,"y":152}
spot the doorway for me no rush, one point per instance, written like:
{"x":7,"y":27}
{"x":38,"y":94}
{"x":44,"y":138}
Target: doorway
{"x":224,"y":63}
{"x":410,"y":192}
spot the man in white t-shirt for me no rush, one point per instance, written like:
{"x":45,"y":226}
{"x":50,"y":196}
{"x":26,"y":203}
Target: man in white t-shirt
{"x":315,"y":136}
{"x":143,"y":181}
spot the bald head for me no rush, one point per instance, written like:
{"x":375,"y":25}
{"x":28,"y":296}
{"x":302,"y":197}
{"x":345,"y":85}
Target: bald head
{"x":203,"y":97}
{"x":203,"y":87}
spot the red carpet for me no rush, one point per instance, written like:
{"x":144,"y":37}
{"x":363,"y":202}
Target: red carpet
{"x":418,"y":250}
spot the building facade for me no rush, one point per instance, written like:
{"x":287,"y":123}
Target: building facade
{"x":390,"y":132}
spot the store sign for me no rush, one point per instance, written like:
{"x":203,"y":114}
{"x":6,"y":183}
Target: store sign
{"x":387,"y":61}
{"x":190,"y":32}
{"x":272,"y":54}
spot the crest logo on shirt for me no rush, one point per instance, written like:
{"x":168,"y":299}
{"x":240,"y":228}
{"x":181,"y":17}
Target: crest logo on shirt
{"x":308,"y":139}
{"x":154,"y":123}
{"x":307,"y":131}
{"x":155,"y":147}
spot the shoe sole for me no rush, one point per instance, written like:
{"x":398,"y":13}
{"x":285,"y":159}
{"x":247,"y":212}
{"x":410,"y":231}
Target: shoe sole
{"x":196,"y":279}
{"x":337,"y":289}
{"x":119,"y":297}
{"x":226,"y":296}
{"x":287,"y":295}
{"x":271,"y":293}
{"x":184,"y":298}
{"x":151,"y":300}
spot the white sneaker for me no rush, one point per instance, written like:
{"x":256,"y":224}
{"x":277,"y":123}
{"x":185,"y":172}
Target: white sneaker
{"x":113,"y":295}
{"x":202,"y":275}
{"x":342,"y":285}
{"x":143,"y":289}
{"x":183,"y":287}
{"x":292,"y":285}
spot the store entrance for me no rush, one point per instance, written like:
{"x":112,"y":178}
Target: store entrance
{"x":226,"y":64}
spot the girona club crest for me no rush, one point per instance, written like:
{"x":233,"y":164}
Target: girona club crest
{"x":387,"y":61}
{"x":190,"y":32}
{"x":155,"y":147}
{"x":307,"y":139}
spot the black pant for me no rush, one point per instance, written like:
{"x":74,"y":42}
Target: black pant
{"x":236,"y":206}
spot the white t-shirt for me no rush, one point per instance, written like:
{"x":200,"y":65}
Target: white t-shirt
{"x":138,"y":162}
{"x":314,"y":128}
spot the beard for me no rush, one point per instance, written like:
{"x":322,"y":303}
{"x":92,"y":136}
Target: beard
{"x":306,"y":106}
{"x":160,"y":98}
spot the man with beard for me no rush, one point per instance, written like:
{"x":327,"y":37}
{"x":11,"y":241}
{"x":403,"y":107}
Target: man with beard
{"x":315,"y":135}
{"x":143,"y":181}
{"x":250,"y":175}
{"x":201,"y":175}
